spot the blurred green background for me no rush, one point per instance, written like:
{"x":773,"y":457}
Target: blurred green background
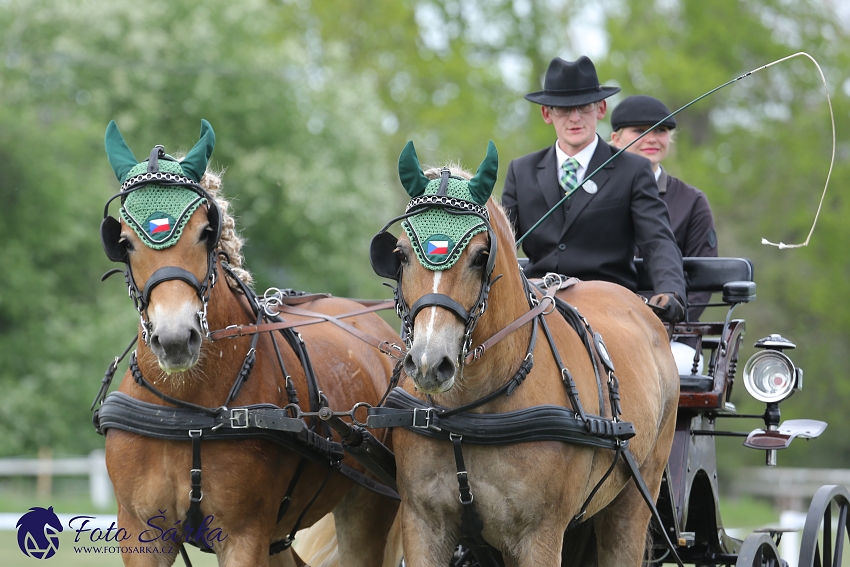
{"x":312,"y":101}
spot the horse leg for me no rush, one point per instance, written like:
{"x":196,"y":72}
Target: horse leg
{"x":625,"y":519}
{"x":429,"y":540}
{"x":363,"y":520}
{"x":133,"y":525}
{"x":286,"y":558}
{"x":579,"y":548}
{"x":541,"y":548}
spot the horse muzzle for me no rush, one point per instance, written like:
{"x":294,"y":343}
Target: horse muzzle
{"x":176,"y":339}
{"x":431,"y":368}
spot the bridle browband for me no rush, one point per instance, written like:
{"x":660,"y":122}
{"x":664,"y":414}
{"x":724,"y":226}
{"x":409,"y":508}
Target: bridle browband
{"x":110,"y":234}
{"x":387,"y":264}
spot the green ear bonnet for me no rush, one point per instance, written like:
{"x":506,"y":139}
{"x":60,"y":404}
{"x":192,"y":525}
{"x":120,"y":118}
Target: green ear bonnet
{"x":453,"y":209}
{"x":160,"y":194}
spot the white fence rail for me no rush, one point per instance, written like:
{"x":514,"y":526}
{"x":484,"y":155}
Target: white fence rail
{"x":791,"y":488}
{"x":44,"y":469}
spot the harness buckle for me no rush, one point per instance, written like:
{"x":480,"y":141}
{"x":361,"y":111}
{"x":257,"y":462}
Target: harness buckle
{"x":428,"y":414}
{"x":239,"y":418}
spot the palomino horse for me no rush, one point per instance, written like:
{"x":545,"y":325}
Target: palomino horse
{"x":251,"y":492}
{"x":453,"y":293}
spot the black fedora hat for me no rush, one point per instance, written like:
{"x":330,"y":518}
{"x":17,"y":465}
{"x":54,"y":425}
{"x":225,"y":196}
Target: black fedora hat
{"x":571,"y":83}
{"x":641,"y":110}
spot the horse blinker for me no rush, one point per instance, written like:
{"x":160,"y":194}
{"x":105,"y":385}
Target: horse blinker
{"x":385,"y":261}
{"x":110,"y":237}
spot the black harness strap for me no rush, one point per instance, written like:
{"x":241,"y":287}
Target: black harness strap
{"x":110,"y":374}
{"x":578,"y":518}
{"x":287,"y":498}
{"x":166,"y":274}
{"x":438,"y":300}
{"x":471,"y":525}
{"x":194,"y":516}
{"x":286,"y":542}
{"x":566,"y":376}
{"x":260,"y":421}
{"x":634,"y":471}
{"x":536,"y":423}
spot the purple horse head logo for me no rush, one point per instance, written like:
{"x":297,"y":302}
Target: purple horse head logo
{"x":38,"y":533}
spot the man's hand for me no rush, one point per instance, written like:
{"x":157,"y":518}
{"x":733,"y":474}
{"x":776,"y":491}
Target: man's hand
{"x":668,"y":307}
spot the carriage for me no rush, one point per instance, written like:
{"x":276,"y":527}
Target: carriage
{"x":689,"y":498}
{"x":322,"y":454}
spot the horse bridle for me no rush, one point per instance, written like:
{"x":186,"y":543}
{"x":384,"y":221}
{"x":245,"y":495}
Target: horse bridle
{"x":110,"y":235}
{"x":386,"y":263}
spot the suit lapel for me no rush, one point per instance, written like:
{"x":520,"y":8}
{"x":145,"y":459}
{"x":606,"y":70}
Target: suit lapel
{"x":581,"y":198}
{"x":547,"y":180}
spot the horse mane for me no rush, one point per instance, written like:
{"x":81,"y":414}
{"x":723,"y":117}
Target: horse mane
{"x":230,"y":242}
{"x":453,"y":167}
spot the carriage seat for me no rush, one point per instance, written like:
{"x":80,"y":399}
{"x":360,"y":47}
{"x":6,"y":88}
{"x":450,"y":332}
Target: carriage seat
{"x":731,"y":276}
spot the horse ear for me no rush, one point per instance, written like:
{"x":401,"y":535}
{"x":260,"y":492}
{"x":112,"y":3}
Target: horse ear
{"x":481,"y":186}
{"x":410,"y":173}
{"x":195,"y":163}
{"x":120,"y":156}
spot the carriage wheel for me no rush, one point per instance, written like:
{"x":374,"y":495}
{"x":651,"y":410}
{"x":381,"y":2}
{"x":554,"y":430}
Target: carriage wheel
{"x":758,"y":550}
{"x":824,"y":535}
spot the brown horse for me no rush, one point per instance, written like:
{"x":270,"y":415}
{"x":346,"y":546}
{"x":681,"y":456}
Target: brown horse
{"x":525,"y":493}
{"x":245,"y":481}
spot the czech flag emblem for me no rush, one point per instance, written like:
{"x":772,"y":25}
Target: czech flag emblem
{"x":438,"y":247}
{"x":157,"y":226}
{"x":160,"y":226}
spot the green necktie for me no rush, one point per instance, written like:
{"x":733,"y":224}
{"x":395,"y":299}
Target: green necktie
{"x":568,"y":177}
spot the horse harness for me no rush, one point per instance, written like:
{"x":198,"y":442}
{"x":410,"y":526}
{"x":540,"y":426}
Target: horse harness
{"x":539,"y":423}
{"x":286,"y":426}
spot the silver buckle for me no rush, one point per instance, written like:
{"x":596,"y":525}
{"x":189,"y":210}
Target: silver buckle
{"x":239,"y":418}
{"x":427,"y":412}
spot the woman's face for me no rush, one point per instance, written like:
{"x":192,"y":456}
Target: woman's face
{"x":653,"y":146}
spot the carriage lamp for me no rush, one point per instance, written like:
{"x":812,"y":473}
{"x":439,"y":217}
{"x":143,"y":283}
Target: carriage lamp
{"x":769,"y":375}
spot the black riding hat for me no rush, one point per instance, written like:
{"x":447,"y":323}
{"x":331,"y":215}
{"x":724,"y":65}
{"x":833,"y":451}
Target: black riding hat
{"x":641,"y":110}
{"x":571,"y":83}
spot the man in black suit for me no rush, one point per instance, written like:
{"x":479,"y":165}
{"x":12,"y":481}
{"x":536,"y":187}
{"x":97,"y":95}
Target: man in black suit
{"x":594,"y":234}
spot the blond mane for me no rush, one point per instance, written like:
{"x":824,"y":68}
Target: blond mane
{"x":230,"y":241}
{"x":454,"y":169}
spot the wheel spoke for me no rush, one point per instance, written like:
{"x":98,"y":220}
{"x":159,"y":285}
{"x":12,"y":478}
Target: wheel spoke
{"x":839,"y":536}
{"x":827,"y":532}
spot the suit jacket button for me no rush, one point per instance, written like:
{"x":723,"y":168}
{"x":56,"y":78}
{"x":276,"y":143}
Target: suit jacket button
{"x":562,"y":247}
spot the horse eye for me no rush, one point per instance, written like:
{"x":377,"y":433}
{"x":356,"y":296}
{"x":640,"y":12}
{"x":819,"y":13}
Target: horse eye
{"x":480,"y":258}
{"x":401,"y":255}
{"x":126,"y":243}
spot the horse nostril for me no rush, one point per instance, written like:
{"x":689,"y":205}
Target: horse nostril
{"x":410,"y":367}
{"x":194,"y":340}
{"x":155,"y":345}
{"x":446,"y":369}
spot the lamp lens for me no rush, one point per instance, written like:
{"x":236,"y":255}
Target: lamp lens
{"x":769,"y":376}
